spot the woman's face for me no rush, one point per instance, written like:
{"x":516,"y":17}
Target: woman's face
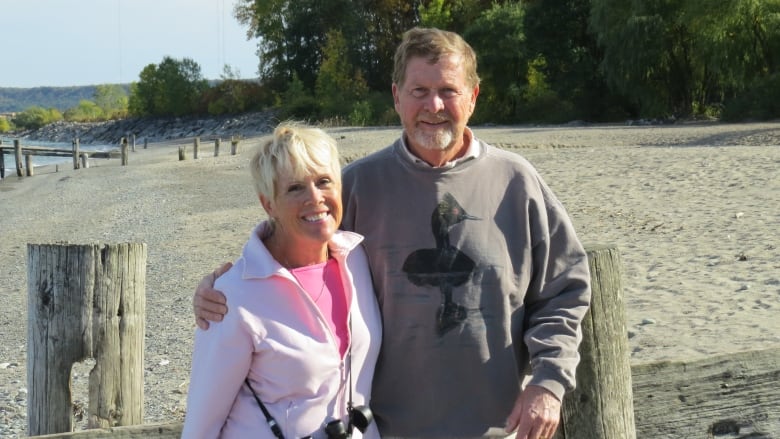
{"x":307,"y":210}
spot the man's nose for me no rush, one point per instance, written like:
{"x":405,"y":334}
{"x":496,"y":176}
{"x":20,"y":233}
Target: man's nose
{"x":435,"y":102}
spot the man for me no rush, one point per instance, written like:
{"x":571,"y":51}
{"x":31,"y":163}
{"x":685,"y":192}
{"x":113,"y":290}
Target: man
{"x":478,"y":271}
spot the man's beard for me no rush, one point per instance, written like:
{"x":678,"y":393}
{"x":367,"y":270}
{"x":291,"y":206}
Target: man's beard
{"x":439,"y":140}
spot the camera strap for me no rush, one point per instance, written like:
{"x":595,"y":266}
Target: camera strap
{"x":277,"y":431}
{"x":268,"y":418}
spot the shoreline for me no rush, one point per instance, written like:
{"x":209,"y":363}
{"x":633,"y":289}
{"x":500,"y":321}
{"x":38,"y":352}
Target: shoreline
{"x":692,"y":209}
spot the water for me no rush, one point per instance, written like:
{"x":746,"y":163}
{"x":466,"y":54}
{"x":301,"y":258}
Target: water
{"x":10,"y":162}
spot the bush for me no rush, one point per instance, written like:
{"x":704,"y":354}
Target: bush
{"x":759,"y":101}
{"x":36,"y":117}
{"x":5,"y":125}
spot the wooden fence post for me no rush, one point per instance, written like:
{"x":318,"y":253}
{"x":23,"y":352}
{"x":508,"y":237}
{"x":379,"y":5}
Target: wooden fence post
{"x":217,"y":143}
{"x":75,"y":144}
{"x":123,"y":149}
{"x":133,"y":144}
{"x":2,"y":162}
{"x":182,"y":152}
{"x":84,"y":160}
{"x":233,"y":146}
{"x":146,"y":142}
{"x":196,"y":147}
{"x":18,"y":157}
{"x":28,"y":164}
{"x":602,"y":404}
{"x":85,"y":301}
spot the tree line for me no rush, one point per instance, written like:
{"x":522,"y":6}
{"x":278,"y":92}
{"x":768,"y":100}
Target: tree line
{"x":539,"y":61}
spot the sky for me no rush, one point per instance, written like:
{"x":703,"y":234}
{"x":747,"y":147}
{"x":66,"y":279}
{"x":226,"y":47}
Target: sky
{"x":61,"y":43}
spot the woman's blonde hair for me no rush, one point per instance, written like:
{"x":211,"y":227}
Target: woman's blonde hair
{"x":297,"y":149}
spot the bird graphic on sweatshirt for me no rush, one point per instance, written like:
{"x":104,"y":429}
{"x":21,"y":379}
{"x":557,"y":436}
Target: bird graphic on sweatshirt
{"x":445,"y":266}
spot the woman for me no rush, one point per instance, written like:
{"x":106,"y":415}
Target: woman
{"x":298,"y":348}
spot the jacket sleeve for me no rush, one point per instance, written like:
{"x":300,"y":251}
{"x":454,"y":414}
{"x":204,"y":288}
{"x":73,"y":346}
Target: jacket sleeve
{"x":558,"y":296}
{"x":220,"y":362}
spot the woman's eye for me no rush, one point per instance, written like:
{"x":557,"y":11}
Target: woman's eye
{"x":294,"y":187}
{"x":325,"y":181}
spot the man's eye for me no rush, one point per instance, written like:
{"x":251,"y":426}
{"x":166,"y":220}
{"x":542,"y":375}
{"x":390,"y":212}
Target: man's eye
{"x":449,"y":93}
{"x":419,"y":92}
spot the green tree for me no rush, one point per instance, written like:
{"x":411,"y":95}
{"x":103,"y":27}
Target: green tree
{"x":112,"y":99}
{"x":567,"y":57}
{"x":5,"y":125}
{"x":499,"y":40}
{"x":172,"y":88}
{"x":339,"y":85}
{"x":85,"y":111}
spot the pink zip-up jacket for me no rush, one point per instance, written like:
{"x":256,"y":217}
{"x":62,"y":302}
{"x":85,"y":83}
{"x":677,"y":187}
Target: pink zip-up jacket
{"x":276,"y":335}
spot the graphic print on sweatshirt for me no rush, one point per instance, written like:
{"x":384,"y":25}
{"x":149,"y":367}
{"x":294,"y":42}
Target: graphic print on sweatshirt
{"x":445,"y":266}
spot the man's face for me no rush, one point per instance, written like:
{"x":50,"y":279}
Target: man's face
{"x":435,"y":103}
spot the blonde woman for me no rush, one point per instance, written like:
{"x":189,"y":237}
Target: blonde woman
{"x":295,"y":356}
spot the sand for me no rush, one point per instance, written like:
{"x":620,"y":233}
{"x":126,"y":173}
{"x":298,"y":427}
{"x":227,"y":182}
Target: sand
{"x":694,"y":210}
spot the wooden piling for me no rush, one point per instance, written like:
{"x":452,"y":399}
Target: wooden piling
{"x":217,"y":144}
{"x":75,"y":145}
{"x":18,"y":157}
{"x":28,"y":164}
{"x":182,"y":153}
{"x":2,"y":163}
{"x":146,"y":142}
{"x":133,"y":143}
{"x":602,"y":404}
{"x":123,"y":150}
{"x":85,"y":301}
{"x":195,"y":148}
{"x":233,"y":146}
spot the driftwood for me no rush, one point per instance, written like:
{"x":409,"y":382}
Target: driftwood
{"x":726,"y":396}
{"x":155,"y":431}
{"x":85,"y":301}
{"x":601,"y":406}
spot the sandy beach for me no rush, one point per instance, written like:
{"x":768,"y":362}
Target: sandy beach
{"x":693,"y":208}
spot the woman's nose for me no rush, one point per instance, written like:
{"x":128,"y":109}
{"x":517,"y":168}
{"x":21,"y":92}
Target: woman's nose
{"x":314,"y":194}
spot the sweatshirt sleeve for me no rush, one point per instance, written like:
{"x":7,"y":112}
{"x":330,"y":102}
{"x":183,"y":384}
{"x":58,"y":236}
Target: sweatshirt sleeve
{"x":220,"y":362}
{"x":558,"y":297}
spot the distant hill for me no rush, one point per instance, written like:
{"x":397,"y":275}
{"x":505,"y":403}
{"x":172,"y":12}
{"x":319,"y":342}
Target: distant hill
{"x":61,"y":98}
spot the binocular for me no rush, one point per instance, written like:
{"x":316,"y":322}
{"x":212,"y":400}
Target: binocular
{"x":360,"y":417}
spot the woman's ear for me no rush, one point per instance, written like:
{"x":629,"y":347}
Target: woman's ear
{"x":267,"y":204}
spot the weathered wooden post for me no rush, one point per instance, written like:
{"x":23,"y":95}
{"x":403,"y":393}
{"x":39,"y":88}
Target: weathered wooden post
{"x":2,"y":161}
{"x":217,"y":143}
{"x":182,"y":152}
{"x":84,"y":160}
{"x":85,"y":301}
{"x":123,"y":150}
{"x":146,"y":142}
{"x":196,"y":147}
{"x":18,"y":157}
{"x":75,"y":145}
{"x":133,"y":144}
{"x":233,"y":145}
{"x":28,"y":164}
{"x":602,"y":405}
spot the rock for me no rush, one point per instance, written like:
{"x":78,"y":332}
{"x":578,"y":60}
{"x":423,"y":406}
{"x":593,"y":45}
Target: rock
{"x":155,"y":129}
